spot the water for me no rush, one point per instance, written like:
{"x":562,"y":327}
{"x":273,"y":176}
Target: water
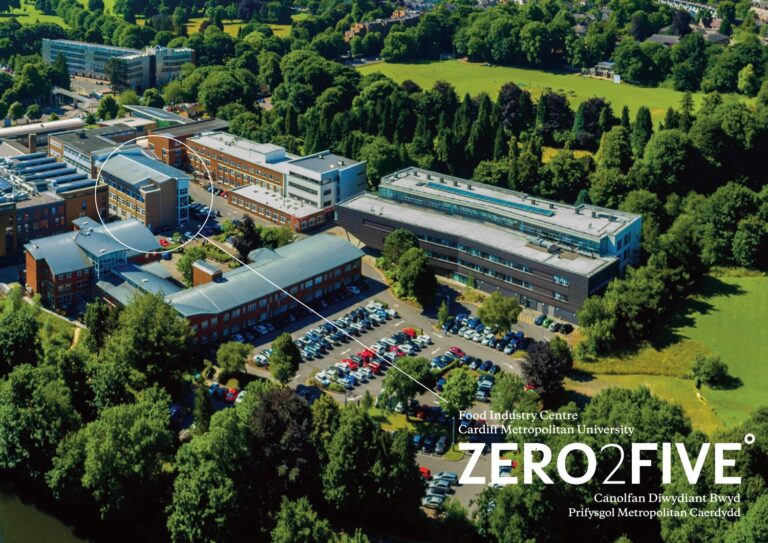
{"x":24,"y":523}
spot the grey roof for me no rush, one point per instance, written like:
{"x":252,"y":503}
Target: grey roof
{"x":60,"y":252}
{"x":69,"y":251}
{"x":192,"y":129}
{"x":135,"y":169}
{"x":157,"y":113}
{"x":323,"y":162}
{"x":206,"y":267}
{"x":285,"y":267}
{"x":87,"y":141}
{"x":664,"y":39}
{"x":145,"y":280}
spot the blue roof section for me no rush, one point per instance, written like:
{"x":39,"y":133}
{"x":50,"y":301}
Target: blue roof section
{"x":285,"y":266}
{"x":491,"y":199}
{"x":70,"y":251}
{"x":5,"y":186}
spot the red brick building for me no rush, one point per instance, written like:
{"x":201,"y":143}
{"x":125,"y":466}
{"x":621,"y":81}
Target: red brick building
{"x":172,"y":151}
{"x":279,"y":209}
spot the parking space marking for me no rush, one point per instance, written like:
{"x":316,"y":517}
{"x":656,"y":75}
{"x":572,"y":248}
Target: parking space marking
{"x":399,"y":323}
{"x":510,"y":366}
{"x":345,"y":352}
{"x":438,"y":335}
{"x":435,"y":351}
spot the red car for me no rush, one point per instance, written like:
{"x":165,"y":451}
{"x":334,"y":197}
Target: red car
{"x":164,"y":242}
{"x":351,"y":364}
{"x":410,"y":332}
{"x":366,"y":354}
{"x":425,"y":472}
{"x":529,"y":386}
{"x":458,"y":352}
{"x":231,"y":395}
{"x":375,"y":367}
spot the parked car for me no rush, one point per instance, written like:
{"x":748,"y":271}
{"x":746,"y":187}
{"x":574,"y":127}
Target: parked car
{"x":439,"y":486}
{"x":425,"y":473}
{"x":322,"y":379}
{"x":417,"y":441}
{"x":442,"y":445}
{"x":566,"y":328}
{"x":539,"y":320}
{"x":487,"y":365}
{"x":432,"y":502}
{"x":449,"y":476}
{"x":440,"y":384}
{"x":231,"y":395}
{"x":482,"y":396}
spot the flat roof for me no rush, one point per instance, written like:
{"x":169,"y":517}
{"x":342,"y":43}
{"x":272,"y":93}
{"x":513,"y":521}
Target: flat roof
{"x":275,"y":200}
{"x":192,"y":128}
{"x":241,"y":148}
{"x":324,"y":162}
{"x":41,"y":128}
{"x":87,"y":141}
{"x":39,"y":199}
{"x":585,"y":220}
{"x":486,"y":234}
{"x":128,"y":121}
{"x":157,"y":113}
{"x":94,"y":45}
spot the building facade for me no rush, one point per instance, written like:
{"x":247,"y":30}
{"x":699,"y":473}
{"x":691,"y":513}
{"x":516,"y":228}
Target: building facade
{"x":82,"y":148}
{"x":237,"y":162}
{"x":127,"y":68}
{"x":64,"y":268}
{"x":323,"y":179}
{"x":169,"y":144}
{"x":281,"y":210}
{"x":549,"y":255}
{"x":145,"y":189}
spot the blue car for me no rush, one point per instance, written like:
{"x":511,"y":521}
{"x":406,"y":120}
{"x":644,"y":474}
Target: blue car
{"x":486,"y":365}
{"x":417,"y":439}
{"x":540,"y":319}
{"x":440,"y":384}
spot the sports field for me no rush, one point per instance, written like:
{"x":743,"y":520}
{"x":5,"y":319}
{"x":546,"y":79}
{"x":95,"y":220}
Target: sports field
{"x":729,"y":318}
{"x":475,"y":78}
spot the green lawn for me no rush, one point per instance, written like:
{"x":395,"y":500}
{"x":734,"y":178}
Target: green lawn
{"x":28,"y":14}
{"x":733,"y":323}
{"x":281,"y":31}
{"x":475,"y":78}
{"x":729,"y":318}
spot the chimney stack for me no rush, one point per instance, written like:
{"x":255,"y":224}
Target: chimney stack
{"x":203,"y":272}
{"x":32,"y":143}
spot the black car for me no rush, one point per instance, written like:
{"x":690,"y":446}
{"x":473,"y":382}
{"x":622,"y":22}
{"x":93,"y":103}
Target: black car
{"x":429,"y":444}
{"x":566,"y":328}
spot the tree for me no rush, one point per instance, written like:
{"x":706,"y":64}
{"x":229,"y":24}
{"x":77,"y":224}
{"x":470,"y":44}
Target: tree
{"x":381,"y":156}
{"x":202,"y":409}
{"x":545,"y":369}
{"x":19,"y":339}
{"x":285,"y":358}
{"x":152,"y":98}
{"x":108,"y":108}
{"x":509,"y":394}
{"x":748,"y":82}
{"x":218,"y":89}
{"x":151,"y":339}
{"x":36,"y":413}
{"x":458,"y":392}
{"x":681,"y":22}
{"x":442,"y":313}
{"x":297,"y":522}
{"x":189,"y":257}
{"x":100,"y":319}
{"x":119,"y":471}
{"x":709,"y":370}
{"x":409,"y":378}
{"x":16,"y":111}
{"x":396,"y":244}
{"x":34,"y":113}
{"x":231,"y":357}
{"x":415,"y":277}
{"x":642,"y":130}
{"x":95,"y":5}
{"x":248,"y":238}
{"x":750,"y":243}
{"x":325,"y":422}
{"x":515,"y":107}
{"x":499,"y":311}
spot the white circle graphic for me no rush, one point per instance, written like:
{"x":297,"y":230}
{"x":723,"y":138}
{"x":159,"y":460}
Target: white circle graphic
{"x":100,"y":180}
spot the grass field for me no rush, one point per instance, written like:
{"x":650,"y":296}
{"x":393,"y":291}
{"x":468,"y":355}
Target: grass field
{"x":729,"y":318}
{"x":475,"y":78}
{"x":281,"y":31}
{"x":29,"y":14}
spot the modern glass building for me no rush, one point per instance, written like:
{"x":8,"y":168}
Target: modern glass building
{"x":549,"y":255}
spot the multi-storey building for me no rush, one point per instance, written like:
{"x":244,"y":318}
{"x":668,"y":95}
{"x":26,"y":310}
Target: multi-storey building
{"x":81,"y":149}
{"x":169,"y":144}
{"x":127,"y":68}
{"x":238,"y":162}
{"x":278,"y":208}
{"x":324,"y":178}
{"x":549,"y":255}
{"x":64,"y":268}
{"x":40,"y":196}
{"x":143,"y":188}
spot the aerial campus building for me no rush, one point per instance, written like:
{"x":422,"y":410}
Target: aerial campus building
{"x":131,"y":68}
{"x":549,"y":255}
{"x":73,"y":267}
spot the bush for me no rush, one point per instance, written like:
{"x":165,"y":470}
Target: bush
{"x":710,"y":370}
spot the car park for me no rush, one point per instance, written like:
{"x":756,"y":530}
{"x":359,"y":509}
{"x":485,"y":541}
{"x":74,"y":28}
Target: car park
{"x":439,"y":486}
{"x":538,"y":321}
{"x":449,"y":476}
{"x":482,"y":396}
{"x":425,"y":472}
{"x":442,"y":445}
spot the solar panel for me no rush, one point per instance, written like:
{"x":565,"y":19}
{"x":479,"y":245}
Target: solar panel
{"x":491,"y":199}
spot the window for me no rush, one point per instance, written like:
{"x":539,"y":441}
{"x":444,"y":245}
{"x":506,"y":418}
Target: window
{"x":559,"y":296}
{"x":560,"y":280}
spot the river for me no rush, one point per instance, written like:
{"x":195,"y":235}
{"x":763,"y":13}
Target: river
{"x":24,"y":523}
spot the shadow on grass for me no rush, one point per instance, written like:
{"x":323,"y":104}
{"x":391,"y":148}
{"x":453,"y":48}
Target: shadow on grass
{"x":581,"y":376}
{"x":729,"y":383}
